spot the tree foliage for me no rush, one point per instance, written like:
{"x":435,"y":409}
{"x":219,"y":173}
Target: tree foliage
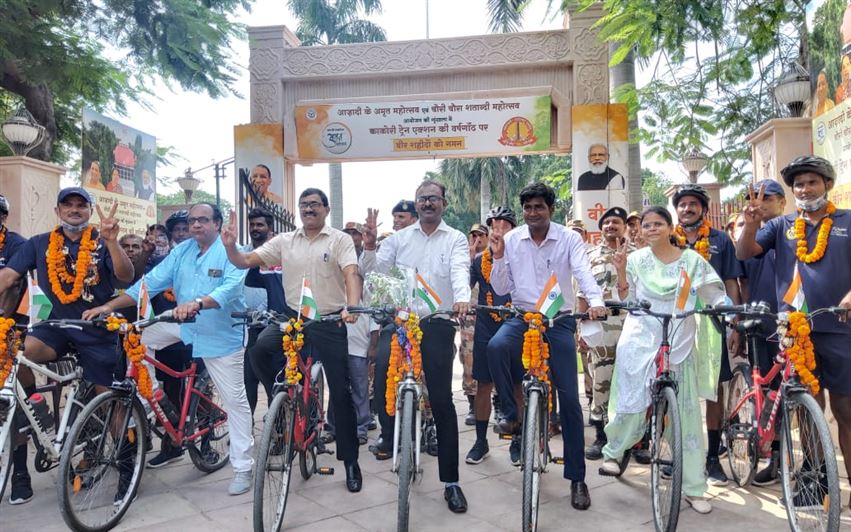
{"x":179,"y":198}
{"x":322,"y":22}
{"x":58,"y":56}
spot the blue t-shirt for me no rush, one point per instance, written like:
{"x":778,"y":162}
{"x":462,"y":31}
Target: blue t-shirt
{"x":486,"y":326}
{"x":826,"y":281}
{"x":761,"y":283}
{"x":272,"y":281}
{"x":10,"y":246}
{"x":722,"y":256}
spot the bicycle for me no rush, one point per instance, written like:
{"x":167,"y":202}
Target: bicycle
{"x":101,"y":467}
{"x":808,"y":468}
{"x":66,"y":386}
{"x":293,"y":423}
{"x":663,"y":416}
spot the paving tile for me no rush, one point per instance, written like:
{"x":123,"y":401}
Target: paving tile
{"x":337,"y":524}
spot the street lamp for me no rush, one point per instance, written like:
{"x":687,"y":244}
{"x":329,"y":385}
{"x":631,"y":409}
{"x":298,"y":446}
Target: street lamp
{"x":189,"y":183}
{"x":694,"y":162}
{"x":21,"y":132}
{"x":793,"y":89}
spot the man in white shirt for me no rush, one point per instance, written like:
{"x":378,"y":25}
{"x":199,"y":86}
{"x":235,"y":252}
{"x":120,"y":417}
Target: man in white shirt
{"x":523,"y":261}
{"x":440,"y":254}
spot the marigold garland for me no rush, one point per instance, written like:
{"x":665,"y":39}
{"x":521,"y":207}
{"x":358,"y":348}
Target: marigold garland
{"x":487,"y":264}
{"x":536,"y":353}
{"x":9,"y":343}
{"x":169,"y":296}
{"x":821,"y":240}
{"x":57,"y":270}
{"x":702,"y":243}
{"x":135,"y":351}
{"x":801,"y":352}
{"x":3,"y":231}
{"x":293,"y":341}
{"x":400,"y":365}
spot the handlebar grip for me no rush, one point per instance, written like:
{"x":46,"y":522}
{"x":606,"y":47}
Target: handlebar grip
{"x":240,"y":315}
{"x":641,"y":303}
{"x":728,"y":309}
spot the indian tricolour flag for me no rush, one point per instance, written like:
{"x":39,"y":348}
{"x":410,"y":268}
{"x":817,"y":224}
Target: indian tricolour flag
{"x":685,"y":295}
{"x":551,"y":299}
{"x":794,"y":296}
{"x":144,"y":310}
{"x":423,"y":291}
{"x":35,"y":303}
{"x":308,"y":307}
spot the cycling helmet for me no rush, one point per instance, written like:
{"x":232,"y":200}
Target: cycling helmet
{"x":501,"y":213}
{"x":4,"y":204}
{"x":807,"y":163}
{"x":178,"y":217}
{"x":692,"y":190}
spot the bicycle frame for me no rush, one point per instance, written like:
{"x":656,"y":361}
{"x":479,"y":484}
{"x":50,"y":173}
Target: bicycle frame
{"x":300,"y":396}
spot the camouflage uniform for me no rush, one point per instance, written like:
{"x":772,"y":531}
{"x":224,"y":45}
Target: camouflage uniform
{"x":465,"y":352}
{"x":603,"y":357}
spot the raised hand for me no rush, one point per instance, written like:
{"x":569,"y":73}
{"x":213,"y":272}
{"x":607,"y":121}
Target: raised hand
{"x":496,"y":242}
{"x":619,"y":258}
{"x":108,"y":224}
{"x":370,"y":229}
{"x":753,"y":210}
{"x":229,"y":231}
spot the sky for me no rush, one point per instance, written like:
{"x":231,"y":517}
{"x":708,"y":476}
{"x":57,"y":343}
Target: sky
{"x":201,"y":128}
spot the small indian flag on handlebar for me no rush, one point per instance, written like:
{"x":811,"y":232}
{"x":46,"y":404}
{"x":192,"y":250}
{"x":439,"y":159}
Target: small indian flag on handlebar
{"x":35,"y":303}
{"x":423,"y":291}
{"x":308,"y":307}
{"x":551,"y":299}
{"x":794,"y":296}
{"x":685,"y":293}
{"x":144,"y":309}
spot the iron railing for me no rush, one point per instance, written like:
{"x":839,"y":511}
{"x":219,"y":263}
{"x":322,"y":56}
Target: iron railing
{"x":248,"y":198}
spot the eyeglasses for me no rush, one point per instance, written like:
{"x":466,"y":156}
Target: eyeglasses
{"x":310,"y":205}
{"x":422,"y":200}
{"x":203,"y":220}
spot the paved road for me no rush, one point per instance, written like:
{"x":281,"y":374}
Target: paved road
{"x":178,"y":497}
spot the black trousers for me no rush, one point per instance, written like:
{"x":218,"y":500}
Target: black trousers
{"x":327,"y":343}
{"x":436,"y":347}
{"x":252,"y":382}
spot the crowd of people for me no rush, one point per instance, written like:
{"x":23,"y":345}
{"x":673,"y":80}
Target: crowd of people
{"x":194,"y":266}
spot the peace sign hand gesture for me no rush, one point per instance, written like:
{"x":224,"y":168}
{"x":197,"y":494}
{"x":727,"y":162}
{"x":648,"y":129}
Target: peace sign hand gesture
{"x":108,"y":224}
{"x":370,"y":229}
{"x":619,"y":259}
{"x":229,"y":231}
{"x":753,"y":210}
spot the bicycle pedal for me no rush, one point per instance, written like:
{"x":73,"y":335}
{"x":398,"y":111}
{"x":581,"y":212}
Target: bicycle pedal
{"x":557,"y":460}
{"x":325,"y":470}
{"x":508,"y":437}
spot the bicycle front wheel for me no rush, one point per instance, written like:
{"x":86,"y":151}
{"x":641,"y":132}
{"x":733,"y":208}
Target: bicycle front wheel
{"x":102,"y":462}
{"x":808,"y":469}
{"x":666,"y":461}
{"x":6,"y":431}
{"x":406,"y":461}
{"x":534,"y":446}
{"x":274,"y":465}
{"x":740,"y":426}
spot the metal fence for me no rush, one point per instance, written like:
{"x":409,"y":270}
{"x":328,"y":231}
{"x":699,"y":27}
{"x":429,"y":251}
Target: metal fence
{"x":248,"y":198}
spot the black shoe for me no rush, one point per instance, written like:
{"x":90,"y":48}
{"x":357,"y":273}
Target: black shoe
{"x":514,"y":451}
{"x":123,"y":485}
{"x":579,"y":496}
{"x":641,"y":456}
{"x":22,"y":490}
{"x":327,"y":438}
{"x":362,"y":439}
{"x":455,"y":498}
{"x":507,"y":426}
{"x":768,"y":475}
{"x":715,"y":475}
{"x":382,"y":449}
{"x":354,"y":479}
{"x":595,"y":450}
{"x":373,"y":424}
{"x":167,"y":455}
{"x":478,"y":452}
{"x":470,"y":420}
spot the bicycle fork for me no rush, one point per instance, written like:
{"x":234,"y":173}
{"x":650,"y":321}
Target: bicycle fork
{"x":407,"y":385}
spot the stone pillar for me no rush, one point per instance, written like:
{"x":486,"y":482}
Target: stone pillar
{"x":774,"y":144}
{"x":591,"y":66}
{"x":31,"y":186}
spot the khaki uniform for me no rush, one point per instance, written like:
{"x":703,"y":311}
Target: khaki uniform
{"x":465,"y":351}
{"x":602,"y":358}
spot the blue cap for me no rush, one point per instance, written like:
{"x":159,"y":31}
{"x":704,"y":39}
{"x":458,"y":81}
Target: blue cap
{"x":405,"y":206}
{"x":70,"y":191}
{"x":772,"y":188}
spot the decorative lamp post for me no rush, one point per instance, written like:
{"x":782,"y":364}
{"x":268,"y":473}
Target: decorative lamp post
{"x":21,"y":132}
{"x":793,"y":89}
{"x":189,"y":183}
{"x":694,"y":162}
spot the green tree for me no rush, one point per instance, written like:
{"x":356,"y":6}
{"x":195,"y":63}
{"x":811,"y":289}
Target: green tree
{"x":323,"y":22}
{"x":653,"y":187}
{"x":57,"y":56}
{"x":492,"y":180}
{"x":179,"y":198}
{"x":462,"y":208}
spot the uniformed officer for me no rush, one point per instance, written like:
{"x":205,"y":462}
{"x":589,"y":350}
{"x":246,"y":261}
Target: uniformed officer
{"x":10,"y":241}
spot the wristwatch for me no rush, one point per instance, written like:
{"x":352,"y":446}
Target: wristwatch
{"x":200,"y":302}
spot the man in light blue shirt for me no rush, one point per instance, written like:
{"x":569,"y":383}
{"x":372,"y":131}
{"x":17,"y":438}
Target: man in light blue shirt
{"x":523,"y":261}
{"x":203,"y":279}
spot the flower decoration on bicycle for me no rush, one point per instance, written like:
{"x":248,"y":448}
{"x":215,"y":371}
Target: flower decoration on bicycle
{"x":9,"y":343}
{"x":292,"y":341}
{"x":405,"y":356}
{"x":536,"y":352}
{"x":799,"y":349}
{"x":135,"y":351}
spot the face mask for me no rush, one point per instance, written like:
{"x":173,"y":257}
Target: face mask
{"x":592,"y":332}
{"x":811,"y":205}
{"x":74,"y":228}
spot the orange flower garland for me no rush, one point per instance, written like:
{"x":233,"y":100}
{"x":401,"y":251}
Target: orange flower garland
{"x":169,"y":296}
{"x":9,"y":343}
{"x":487,"y":264}
{"x":536,"y":352}
{"x":702,"y":243}
{"x":801,"y":353}
{"x":293,"y":341}
{"x":821,"y":240}
{"x":57,"y":271}
{"x":2,"y":237}
{"x":400,"y":365}
{"x":135,"y":351}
